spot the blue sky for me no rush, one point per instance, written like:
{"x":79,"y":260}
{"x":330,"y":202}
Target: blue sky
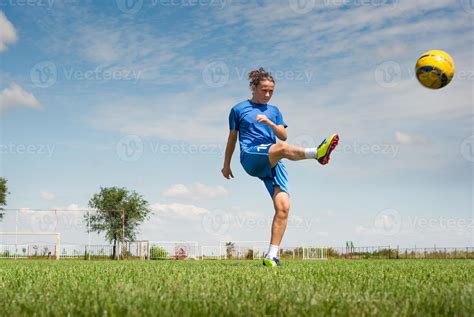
{"x":137,"y":94}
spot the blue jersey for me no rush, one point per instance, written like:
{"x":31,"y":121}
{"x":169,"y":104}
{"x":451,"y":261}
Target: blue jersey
{"x":243,"y":118}
{"x":256,"y":139}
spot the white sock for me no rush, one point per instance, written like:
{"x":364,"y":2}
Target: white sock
{"x":272,"y":251}
{"x":311,"y":152}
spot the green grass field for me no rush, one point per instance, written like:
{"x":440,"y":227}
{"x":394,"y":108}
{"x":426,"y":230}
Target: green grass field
{"x":136,"y":288}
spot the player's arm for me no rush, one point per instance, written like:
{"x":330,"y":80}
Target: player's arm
{"x":279,"y":130}
{"x":229,"y":150}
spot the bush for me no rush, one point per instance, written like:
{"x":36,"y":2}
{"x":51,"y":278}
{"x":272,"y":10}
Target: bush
{"x":158,"y":252}
{"x":249,"y":255}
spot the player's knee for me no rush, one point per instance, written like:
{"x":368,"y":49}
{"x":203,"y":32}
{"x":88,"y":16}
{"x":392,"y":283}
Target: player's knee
{"x":283,"y":212}
{"x":284,"y":149}
{"x":279,"y":149}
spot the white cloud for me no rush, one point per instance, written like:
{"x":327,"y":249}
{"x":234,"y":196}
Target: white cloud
{"x":176,"y":210}
{"x":406,"y":139}
{"x":16,"y":96}
{"x":349,"y":95}
{"x":360,"y":229}
{"x":116,"y":44}
{"x":73,"y":207}
{"x":75,"y":210}
{"x":100,"y":46}
{"x":197,"y":118}
{"x":26,"y":210}
{"x":7,"y":32}
{"x":176,"y":190}
{"x":347,"y":30}
{"x":48,"y":195}
{"x":197,"y":191}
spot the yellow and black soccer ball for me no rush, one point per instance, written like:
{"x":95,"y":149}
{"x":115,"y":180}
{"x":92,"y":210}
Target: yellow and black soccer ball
{"x":435,"y":69}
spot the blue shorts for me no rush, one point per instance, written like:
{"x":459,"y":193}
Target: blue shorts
{"x":255,"y":162}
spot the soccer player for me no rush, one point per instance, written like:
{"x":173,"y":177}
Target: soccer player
{"x":256,"y":123}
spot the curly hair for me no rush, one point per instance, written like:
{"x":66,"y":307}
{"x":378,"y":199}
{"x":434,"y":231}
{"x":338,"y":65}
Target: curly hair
{"x":256,"y":76}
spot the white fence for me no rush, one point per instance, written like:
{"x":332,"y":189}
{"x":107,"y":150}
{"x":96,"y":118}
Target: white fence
{"x":20,"y":251}
{"x":157,"y":250}
{"x":314,"y":253}
{"x":48,"y":247}
{"x":212,"y":252}
{"x":178,"y":250}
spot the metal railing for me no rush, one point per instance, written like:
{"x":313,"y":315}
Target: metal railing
{"x":191,"y":250}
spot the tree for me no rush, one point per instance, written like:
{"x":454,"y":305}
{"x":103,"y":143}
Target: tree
{"x":250,"y":254}
{"x":3,"y":195}
{"x":229,"y":249}
{"x":119,"y":211}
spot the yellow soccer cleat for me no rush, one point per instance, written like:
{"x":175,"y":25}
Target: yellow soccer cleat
{"x":271,"y":262}
{"x":326,"y":147}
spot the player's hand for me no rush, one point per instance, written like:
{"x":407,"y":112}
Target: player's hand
{"x":264,"y":119}
{"x":227,"y":172}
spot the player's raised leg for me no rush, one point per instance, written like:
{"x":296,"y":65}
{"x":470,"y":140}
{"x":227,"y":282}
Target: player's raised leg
{"x":281,"y":203}
{"x":282,"y":150}
{"x":295,"y":153}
